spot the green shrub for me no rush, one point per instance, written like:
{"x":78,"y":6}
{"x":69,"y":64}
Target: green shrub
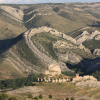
{"x":3,"y":96}
{"x":50,"y":96}
{"x":72,"y":98}
{"x":12,"y":98}
{"x":67,"y":98}
{"x":69,"y":73}
{"x":40,"y":96}
{"x":96,"y":74}
{"x":30,"y":96}
{"x":36,"y":98}
{"x":92,"y":44}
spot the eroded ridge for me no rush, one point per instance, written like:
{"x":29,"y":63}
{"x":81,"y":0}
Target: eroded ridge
{"x":44,"y":57}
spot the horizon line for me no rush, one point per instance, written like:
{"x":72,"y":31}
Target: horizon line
{"x":47,"y":3}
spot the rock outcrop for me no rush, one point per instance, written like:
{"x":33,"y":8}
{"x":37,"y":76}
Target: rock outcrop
{"x":83,"y":48}
{"x":66,"y":45}
{"x":84,"y":78}
{"x":69,"y":38}
{"x":53,"y":70}
{"x":86,"y":81}
{"x":97,"y":37}
{"x":97,"y":52}
{"x":91,"y":83}
{"x":83,"y":37}
{"x":69,"y":56}
{"x":86,"y":36}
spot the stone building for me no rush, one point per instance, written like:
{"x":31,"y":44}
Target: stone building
{"x":53,"y":80}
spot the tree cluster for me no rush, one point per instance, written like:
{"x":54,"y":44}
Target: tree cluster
{"x":96,"y":74}
{"x":16,"y":83}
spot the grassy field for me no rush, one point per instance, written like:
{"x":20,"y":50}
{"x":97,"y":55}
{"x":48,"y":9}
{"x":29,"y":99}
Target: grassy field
{"x":64,"y":25}
{"x":61,"y":91}
{"x":68,"y":89}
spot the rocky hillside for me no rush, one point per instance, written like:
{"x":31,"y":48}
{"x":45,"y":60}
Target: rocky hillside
{"x":34,"y":36}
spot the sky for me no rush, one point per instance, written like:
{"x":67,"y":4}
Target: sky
{"x":43,"y":1}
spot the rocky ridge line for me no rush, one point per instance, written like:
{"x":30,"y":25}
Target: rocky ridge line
{"x":45,"y":58}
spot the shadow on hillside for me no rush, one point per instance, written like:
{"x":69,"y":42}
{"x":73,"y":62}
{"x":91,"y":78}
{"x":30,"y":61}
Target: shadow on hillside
{"x":8,"y":43}
{"x":90,"y":66}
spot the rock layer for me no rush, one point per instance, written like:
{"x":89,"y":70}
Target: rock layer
{"x":86,"y":36}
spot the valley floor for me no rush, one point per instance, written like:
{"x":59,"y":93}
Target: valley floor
{"x":58,"y":91}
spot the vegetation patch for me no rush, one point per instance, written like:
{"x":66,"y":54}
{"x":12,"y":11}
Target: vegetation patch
{"x":46,"y":39}
{"x":3,"y":96}
{"x":40,"y":96}
{"x":96,"y":74}
{"x":50,"y":96}
{"x":19,"y":82}
{"x":34,"y":23}
{"x":27,"y":54}
{"x":27,"y":17}
{"x":12,"y":98}
{"x":26,"y":11}
{"x":97,"y":15}
{"x":69,"y":73}
{"x":67,"y":15}
{"x":92,"y":44}
{"x":30,"y":96}
{"x":36,"y":98}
